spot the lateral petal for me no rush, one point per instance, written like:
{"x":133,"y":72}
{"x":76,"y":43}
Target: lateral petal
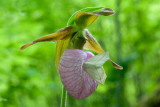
{"x":116,"y":65}
{"x":91,"y":43}
{"x":59,"y":35}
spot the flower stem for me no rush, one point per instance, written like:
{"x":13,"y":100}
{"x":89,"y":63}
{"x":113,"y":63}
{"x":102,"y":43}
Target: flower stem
{"x":63,"y":97}
{"x":78,"y":40}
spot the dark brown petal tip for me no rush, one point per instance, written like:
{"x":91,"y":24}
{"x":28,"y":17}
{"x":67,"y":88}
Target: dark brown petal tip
{"x":26,"y":45}
{"x":116,"y":65}
{"x":105,"y":12}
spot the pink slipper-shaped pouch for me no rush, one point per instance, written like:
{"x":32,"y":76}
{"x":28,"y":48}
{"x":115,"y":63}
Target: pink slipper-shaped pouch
{"x":74,"y":78}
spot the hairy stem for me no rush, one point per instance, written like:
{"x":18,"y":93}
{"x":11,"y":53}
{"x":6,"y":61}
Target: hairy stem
{"x":78,"y":40}
{"x":63,"y":97}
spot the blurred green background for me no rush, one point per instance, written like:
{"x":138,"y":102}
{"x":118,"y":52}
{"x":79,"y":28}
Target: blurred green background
{"x":29,"y":78}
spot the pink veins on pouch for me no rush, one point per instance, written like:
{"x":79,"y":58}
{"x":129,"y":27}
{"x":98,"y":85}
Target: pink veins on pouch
{"x":74,"y":78}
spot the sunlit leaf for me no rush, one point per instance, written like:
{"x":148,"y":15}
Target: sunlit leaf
{"x":59,"y":35}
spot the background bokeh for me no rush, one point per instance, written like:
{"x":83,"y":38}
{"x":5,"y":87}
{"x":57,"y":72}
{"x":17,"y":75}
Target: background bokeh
{"x":29,"y":78}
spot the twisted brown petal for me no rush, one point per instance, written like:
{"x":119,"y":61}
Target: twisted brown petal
{"x":59,"y":35}
{"x":93,"y":45}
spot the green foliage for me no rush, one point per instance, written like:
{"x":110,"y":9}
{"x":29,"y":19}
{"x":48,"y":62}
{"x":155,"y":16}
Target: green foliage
{"x":29,"y":78}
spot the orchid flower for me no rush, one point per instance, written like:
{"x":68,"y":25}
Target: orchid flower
{"x":80,"y":71}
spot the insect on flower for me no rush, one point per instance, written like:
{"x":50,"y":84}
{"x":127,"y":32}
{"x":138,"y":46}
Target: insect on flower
{"x":80,"y":71}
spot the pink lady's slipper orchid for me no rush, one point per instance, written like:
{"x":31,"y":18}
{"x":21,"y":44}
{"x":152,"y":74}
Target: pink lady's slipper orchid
{"x":80,"y":71}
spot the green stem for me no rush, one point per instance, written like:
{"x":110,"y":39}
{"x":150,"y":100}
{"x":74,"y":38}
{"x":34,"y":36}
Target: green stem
{"x":78,"y":40}
{"x":63,"y":97}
